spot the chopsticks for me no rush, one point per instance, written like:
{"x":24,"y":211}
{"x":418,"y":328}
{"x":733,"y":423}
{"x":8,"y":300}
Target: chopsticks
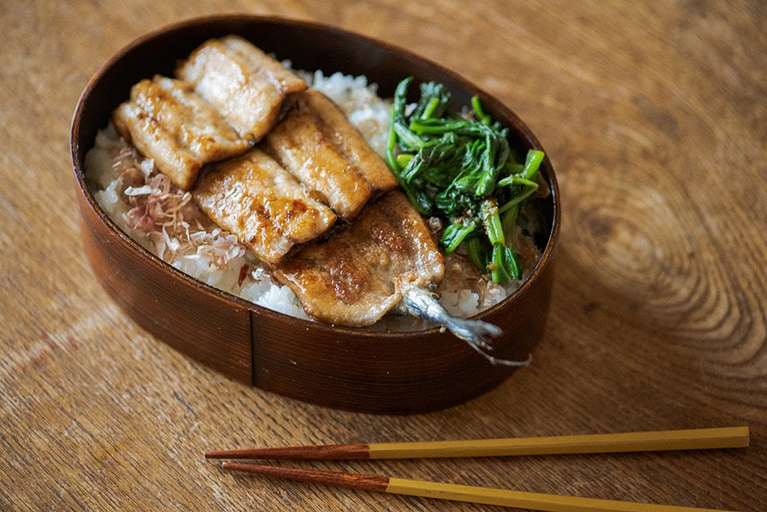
{"x":715,"y":438}
{"x":454,"y":492}
{"x":695,"y":439}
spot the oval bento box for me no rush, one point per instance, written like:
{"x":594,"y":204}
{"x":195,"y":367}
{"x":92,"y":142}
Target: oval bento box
{"x":366,"y":370}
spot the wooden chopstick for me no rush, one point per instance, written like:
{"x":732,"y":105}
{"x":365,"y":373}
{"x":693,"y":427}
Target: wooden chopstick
{"x":454,"y":492}
{"x":695,"y":439}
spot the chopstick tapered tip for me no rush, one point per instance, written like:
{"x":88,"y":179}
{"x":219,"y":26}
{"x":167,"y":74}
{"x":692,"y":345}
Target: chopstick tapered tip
{"x":340,"y":479}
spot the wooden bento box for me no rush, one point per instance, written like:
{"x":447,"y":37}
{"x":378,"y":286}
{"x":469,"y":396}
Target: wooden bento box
{"x":367,"y":370}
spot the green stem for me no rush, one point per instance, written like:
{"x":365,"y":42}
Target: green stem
{"x":532,"y":163}
{"x":476,"y":105}
{"x":492,"y":222}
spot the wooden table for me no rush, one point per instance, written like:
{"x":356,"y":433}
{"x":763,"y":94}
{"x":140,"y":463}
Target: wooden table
{"x":655,"y":118}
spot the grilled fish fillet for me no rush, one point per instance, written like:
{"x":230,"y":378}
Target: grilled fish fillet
{"x":357,"y":275}
{"x":299,"y":143}
{"x":268,"y":210}
{"x":167,"y":121}
{"x":311,"y":142}
{"x":350,"y":142}
{"x":245,"y":84}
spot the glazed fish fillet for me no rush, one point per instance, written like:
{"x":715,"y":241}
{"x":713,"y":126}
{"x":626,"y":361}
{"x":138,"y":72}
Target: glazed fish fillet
{"x":168,"y":122}
{"x":311,"y":142}
{"x":350,"y":142}
{"x":242,"y":82}
{"x":262,"y":204}
{"x":299,"y":143}
{"x":357,"y":275}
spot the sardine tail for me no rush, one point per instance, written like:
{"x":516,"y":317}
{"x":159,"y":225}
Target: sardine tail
{"x":476,"y":333}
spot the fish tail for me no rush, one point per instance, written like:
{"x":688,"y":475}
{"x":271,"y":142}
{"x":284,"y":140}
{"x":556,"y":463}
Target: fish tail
{"x":476,"y":333}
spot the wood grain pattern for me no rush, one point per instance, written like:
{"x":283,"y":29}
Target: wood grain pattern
{"x":654,"y":116}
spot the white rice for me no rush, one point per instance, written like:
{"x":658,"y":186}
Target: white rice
{"x":166,"y":222}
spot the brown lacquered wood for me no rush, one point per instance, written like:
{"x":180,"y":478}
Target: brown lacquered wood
{"x":653,"y":116}
{"x":364,"y":370}
{"x":217,"y":335}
